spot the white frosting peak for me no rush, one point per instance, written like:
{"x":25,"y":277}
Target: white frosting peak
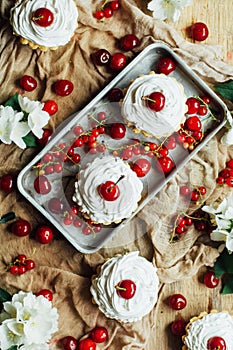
{"x":158,"y":124}
{"x":216,"y":324}
{"x":58,"y":33}
{"x":104,"y":169}
{"x":141,"y":272}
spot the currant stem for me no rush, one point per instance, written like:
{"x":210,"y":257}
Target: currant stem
{"x":205,"y":104}
{"x":104,"y":4}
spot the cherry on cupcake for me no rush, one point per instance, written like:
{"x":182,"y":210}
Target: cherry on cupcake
{"x":63,"y":87}
{"x":216,"y":343}
{"x":46,"y":293}
{"x":199,"y":31}
{"x":99,"y":334}
{"x":165,"y":65}
{"x":155,"y":101}
{"x":44,"y":234}
{"x":117,"y":61}
{"x":69,"y":343}
{"x":101,"y":57}
{"x":126,"y":289}
{"x":129,"y":42}
{"x":141,"y":167}
{"x":43,"y":17}
{"x":109,"y":190}
{"x":21,"y":228}
{"x":117,"y":131}
{"x":28,"y":83}
{"x":86,"y":344}
{"x":6,"y":183}
{"x":177,"y":302}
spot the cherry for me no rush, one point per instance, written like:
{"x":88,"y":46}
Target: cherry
{"x":101,"y":57}
{"x":50,"y":107}
{"x":86,"y":344}
{"x":99,"y":14}
{"x":69,"y":343}
{"x":109,"y":191}
{"x":165,"y":164}
{"x":155,"y":101}
{"x":129,"y":42}
{"x":118,"y":61}
{"x":117,"y":131}
{"x":45,"y":137}
{"x":29,"y":264}
{"x":28,"y":83}
{"x":178,"y":327}
{"x":21,"y":228}
{"x":99,"y":334}
{"x":6,"y":183}
{"x":63,"y":87}
{"x":199,"y":31}
{"x":126,"y":289}
{"x":43,"y":17}
{"x":115,"y":95}
{"x":165,"y":65}
{"x":216,"y":343}
{"x":177,"y":302}
{"x":44,"y":234}
{"x":46,"y":293}
{"x":55,"y":205}
{"x":193,"y":123}
{"x":42,"y":185}
{"x":141,"y":167}
{"x":193,"y":105}
{"x":210,"y":280}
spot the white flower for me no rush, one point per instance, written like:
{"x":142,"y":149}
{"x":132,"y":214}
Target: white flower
{"x":27,"y":320}
{"x":167,"y":9}
{"x":36,"y":117}
{"x":12,"y":128}
{"x":227,"y":138}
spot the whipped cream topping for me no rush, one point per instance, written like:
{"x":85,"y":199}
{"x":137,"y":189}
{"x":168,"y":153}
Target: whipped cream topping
{"x":211,"y":325}
{"x":137,"y":269}
{"x":58,"y":33}
{"x":158,"y":124}
{"x":87,"y":195}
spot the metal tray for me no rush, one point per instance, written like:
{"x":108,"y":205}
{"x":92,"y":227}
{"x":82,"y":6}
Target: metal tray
{"x":63,"y":183}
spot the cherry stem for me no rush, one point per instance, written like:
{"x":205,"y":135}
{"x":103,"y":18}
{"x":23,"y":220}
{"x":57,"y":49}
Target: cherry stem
{"x":114,"y":185}
{"x":146,"y":98}
{"x":37,"y":18}
{"x":120,"y":288}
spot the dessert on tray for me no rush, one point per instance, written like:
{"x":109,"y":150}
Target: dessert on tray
{"x":107,"y":190}
{"x":212,"y":330}
{"x":154,"y":104}
{"x":126,"y":287}
{"x":44,"y":24}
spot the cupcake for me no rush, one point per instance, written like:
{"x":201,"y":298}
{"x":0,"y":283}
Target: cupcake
{"x":212,"y":330}
{"x":44,"y":24}
{"x":107,"y":190}
{"x":126,"y":288}
{"x":155,"y":105}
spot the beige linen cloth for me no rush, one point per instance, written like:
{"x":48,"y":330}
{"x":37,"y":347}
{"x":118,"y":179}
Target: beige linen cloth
{"x":59,"y":266}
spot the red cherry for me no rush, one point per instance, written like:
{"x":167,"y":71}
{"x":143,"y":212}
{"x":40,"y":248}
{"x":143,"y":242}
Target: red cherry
{"x":42,"y":185}
{"x":43,"y":17}
{"x":101,"y":57}
{"x":141,"y":167}
{"x":193,"y":105}
{"x":165,"y":65}
{"x":216,"y":343}
{"x":44,"y":234}
{"x":6,"y":183}
{"x":199,"y":31}
{"x":126,"y":289}
{"x":50,"y":107}
{"x":99,"y":14}
{"x":155,"y":101}
{"x":21,"y":228}
{"x":28,"y":83}
{"x":86,"y":344}
{"x":99,"y":334}
{"x":118,"y":61}
{"x":115,"y":95}
{"x":129,"y":42}
{"x":29,"y":264}
{"x":165,"y":164}
{"x":55,"y":205}
{"x":69,"y":343}
{"x":108,"y":12}
{"x":109,"y":191}
{"x":63,"y":87}
{"x":178,"y":327}
{"x":193,"y":123}
{"x":45,"y":137}
{"x":46,"y":293}
{"x":117,"y":131}
{"x":177,"y":302}
{"x":210,"y":280}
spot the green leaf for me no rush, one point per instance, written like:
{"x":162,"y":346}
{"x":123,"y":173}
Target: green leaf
{"x":4,"y":295}
{"x":13,"y":102}
{"x":224,"y":264}
{"x":226,"y":90}
{"x":228,"y":286}
{"x":7,"y":217}
{"x":30,"y":140}
{"x":14,"y":347}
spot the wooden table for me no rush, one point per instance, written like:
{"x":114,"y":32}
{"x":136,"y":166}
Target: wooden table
{"x":218,"y":15}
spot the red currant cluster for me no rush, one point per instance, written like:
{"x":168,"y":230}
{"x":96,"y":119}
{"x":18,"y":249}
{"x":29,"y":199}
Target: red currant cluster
{"x":193,"y":194}
{"x":96,"y":336}
{"x":20,"y":265}
{"x":107,"y":9}
{"x":225,"y":176}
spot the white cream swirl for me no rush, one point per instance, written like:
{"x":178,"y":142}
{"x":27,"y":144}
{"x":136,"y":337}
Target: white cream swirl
{"x":58,"y":33}
{"x":211,"y":325}
{"x":104,"y":169}
{"x":141,"y":272}
{"x":158,"y":124}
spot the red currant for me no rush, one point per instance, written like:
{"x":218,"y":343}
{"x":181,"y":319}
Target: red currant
{"x":185,"y":190}
{"x":199,"y":31}
{"x":43,"y":17}
{"x":86,"y":344}
{"x":22,"y":269}
{"x":178,"y":327}
{"x":210,"y":280}
{"x":229,"y":164}
{"x":29,"y":264}
{"x":21,"y":228}
{"x":6,"y":183}
{"x":108,"y":12}
{"x":118,"y":61}
{"x":63,"y":87}
{"x":21,"y":258}
{"x":129,"y":42}
{"x":99,"y":334}
{"x":14,"y":269}
{"x":195,"y":196}
{"x":177,"y":302}
{"x":202,"y":190}
{"x":200,"y":225}
{"x":46,"y":293}
{"x":28,"y":83}
{"x":165,"y":65}
{"x":99,"y":14}
{"x":206,"y":99}
{"x":50,"y":107}
{"x":69,"y":343}
{"x":114,"y":5}
{"x":202,"y":110}
{"x":220,"y":180}
{"x":225,"y":173}
{"x":44,"y":234}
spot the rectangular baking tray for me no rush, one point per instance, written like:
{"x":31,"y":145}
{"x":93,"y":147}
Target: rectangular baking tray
{"x":63,"y":183}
